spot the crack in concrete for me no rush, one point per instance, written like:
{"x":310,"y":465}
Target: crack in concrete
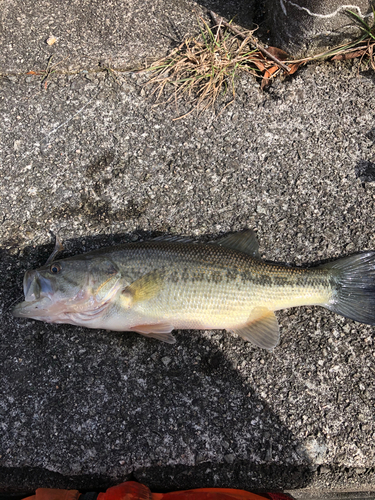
{"x":323,"y":16}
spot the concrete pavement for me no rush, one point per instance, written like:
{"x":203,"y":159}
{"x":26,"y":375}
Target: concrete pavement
{"x":91,"y":158}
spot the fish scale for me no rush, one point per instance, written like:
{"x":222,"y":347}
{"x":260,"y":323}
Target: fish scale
{"x":155,"y":287}
{"x":210,"y":301}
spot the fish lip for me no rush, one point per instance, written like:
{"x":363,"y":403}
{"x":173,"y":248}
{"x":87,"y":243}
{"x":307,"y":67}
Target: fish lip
{"x":18,"y":311}
{"x":38,"y":293}
{"x":36,"y":286}
{"x":27,"y":282}
{"x":32,"y":309}
{"x":31,"y":286}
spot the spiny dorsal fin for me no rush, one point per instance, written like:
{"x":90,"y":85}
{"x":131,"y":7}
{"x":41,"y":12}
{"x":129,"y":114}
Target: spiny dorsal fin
{"x":144,"y":288}
{"x":262,"y":329}
{"x":172,"y":239}
{"x":59,"y":247}
{"x":244,"y":241}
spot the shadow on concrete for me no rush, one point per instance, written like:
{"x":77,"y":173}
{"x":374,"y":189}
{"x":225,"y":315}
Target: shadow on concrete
{"x":285,"y":25}
{"x":365,"y":170}
{"x":87,"y":409}
{"x":244,"y":13}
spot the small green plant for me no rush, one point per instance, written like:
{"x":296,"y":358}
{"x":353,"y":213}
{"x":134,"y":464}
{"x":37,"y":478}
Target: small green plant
{"x":362,"y":47}
{"x":204,"y":66}
{"x":368,"y":31}
{"x":367,"y":40}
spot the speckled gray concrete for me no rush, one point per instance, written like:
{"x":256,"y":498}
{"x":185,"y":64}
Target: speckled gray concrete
{"x":92,"y":34}
{"x":92,"y":159}
{"x":88,"y":33}
{"x":307,"y":27}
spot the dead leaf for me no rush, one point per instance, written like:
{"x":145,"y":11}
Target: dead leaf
{"x":349,"y":55}
{"x":51,"y":40}
{"x":265,"y":83}
{"x":270,"y":71}
{"x":294,"y":67}
{"x":267,"y":74}
{"x":259,"y":64}
{"x":278,"y":53}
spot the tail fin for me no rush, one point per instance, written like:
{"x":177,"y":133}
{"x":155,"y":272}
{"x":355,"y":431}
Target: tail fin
{"x":354,"y":287}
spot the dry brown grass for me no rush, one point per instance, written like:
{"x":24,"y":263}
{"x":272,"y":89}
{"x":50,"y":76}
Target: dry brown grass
{"x":207,"y":65}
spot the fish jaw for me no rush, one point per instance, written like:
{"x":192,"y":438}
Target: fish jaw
{"x":45,"y":302}
{"x":31,"y":286}
{"x":37,"y":301}
{"x":37,"y":309}
{"x":62,"y":311}
{"x":40,"y":301}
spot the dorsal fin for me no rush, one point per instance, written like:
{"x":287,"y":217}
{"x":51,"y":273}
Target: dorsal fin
{"x":172,"y":239}
{"x":59,"y":247}
{"x":245,"y":241}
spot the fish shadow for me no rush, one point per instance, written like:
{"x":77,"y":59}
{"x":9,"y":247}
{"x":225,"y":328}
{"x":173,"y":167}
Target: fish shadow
{"x":101,"y":407}
{"x":365,"y":171}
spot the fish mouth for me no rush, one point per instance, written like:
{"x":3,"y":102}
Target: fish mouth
{"x":38,"y":309}
{"x":31,"y":286}
{"x":38,"y":291}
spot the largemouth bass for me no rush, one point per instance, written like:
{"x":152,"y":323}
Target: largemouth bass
{"x":165,"y":284}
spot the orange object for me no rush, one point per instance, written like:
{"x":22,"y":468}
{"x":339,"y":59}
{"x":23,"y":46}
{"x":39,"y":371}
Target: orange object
{"x":136,"y":491}
{"x":51,"y":494}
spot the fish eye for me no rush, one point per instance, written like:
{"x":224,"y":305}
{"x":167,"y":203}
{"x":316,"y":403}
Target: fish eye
{"x":55,"y":268}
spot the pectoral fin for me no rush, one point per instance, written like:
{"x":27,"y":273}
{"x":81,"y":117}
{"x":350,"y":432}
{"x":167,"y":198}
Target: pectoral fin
{"x":159,"y":331}
{"x":144,"y":288}
{"x":262,"y":328}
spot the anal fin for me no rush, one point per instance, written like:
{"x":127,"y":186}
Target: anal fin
{"x":262,"y":329}
{"x":159,"y":331}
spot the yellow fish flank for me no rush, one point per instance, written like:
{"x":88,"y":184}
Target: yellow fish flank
{"x":155,"y":287}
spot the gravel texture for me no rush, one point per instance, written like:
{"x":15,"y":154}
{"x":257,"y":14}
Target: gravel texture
{"x":90,"y":33}
{"x":92,"y":159}
{"x":307,"y":27}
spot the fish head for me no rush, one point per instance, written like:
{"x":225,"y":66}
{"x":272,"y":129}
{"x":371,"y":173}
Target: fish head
{"x":63,"y":287}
